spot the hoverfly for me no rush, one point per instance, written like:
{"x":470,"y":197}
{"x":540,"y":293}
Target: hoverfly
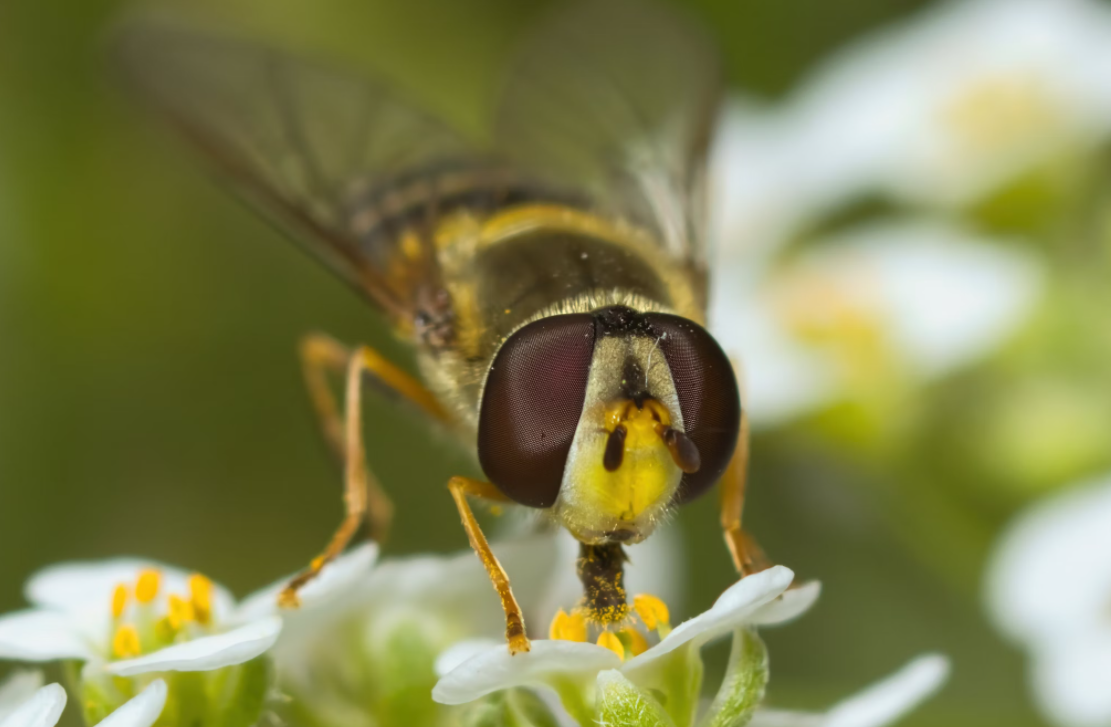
{"x":551,"y":277}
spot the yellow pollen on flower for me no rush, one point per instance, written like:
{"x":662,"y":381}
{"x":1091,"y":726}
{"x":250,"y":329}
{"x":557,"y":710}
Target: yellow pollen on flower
{"x":119,"y":600}
{"x":609,"y":640}
{"x":652,"y":611}
{"x":634,"y":641}
{"x":200,"y":596}
{"x":146,"y":588}
{"x":568,"y":627}
{"x":180,"y":613}
{"x":125,"y":643}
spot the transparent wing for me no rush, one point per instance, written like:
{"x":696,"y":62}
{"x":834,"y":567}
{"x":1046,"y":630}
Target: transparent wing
{"x":618,"y":98}
{"x":307,"y":144}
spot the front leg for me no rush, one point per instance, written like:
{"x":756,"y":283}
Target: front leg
{"x":748,"y":556}
{"x":461,"y":488}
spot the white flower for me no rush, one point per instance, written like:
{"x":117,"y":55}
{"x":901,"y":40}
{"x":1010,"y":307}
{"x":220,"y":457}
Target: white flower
{"x":132,"y":617}
{"x":950,"y":105}
{"x":880,"y":704}
{"x":129,"y":617}
{"x":759,"y":599}
{"x":1049,"y":588}
{"x":915,"y":298}
{"x":580,"y":673}
{"x":44,"y":707}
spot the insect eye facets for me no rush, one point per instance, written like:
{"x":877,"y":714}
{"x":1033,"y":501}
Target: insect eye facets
{"x":708,"y":398}
{"x":532,"y":404}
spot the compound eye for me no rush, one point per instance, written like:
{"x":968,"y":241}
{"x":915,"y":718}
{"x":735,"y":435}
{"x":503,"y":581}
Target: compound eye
{"x":708,"y":397}
{"x":532,"y":404}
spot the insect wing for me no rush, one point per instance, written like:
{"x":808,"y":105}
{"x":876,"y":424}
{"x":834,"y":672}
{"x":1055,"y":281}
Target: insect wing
{"x":619,"y":98}
{"x":300,"y":141}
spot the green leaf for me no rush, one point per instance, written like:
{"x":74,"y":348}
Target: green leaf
{"x":622,"y":704}
{"x":742,"y":690}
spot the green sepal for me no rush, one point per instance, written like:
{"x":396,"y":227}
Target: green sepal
{"x":622,"y":704}
{"x":742,"y":690}
{"x":511,"y":708}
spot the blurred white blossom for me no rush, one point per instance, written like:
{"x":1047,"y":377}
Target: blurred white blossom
{"x":919,"y":297}
{"x":1049,"y":588}
{"x":949,"y":105}
{"x":43,"y":707}
{"x":882,"y":703}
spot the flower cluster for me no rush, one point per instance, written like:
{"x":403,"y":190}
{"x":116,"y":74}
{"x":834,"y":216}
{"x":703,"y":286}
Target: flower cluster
{"x":406,"y":641}
{"x":1049,"y":589}
{"x":880,"y":222}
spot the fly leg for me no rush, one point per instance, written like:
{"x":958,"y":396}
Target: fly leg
{"x":748,"y":556}
{"x":461,"y":488}
{"x":363,"y":495}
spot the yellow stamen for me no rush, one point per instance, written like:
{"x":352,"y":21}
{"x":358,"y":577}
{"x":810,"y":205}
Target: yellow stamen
{"x":146,"y":588}
{"x":200,"y":592}
{"x":568,"y":627}
{"x":119,"y":600}
{"x":180,"y":612}
{"x":634,"y":641}
{"x":609,"y":640}
{"x":652,"y":611}
{"x":125,"y":644}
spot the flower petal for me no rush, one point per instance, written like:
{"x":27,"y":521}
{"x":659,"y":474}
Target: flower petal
{"x":790,"y":605}
{"x":42,"y":710}
{"x":495,"y":669}
{"x":17,"y":689}
{"x":1050,"y":576}
{"x":460,"y":652}
{"x":209,"y":652}
{"x":36,"y":635}
{"x":733,"y":609}
{"x":1070,"y":680}
{"x":886,"y":701}
{"x":143,"y":710}
{"x":87,"y":587}
{"x":338,"y":577}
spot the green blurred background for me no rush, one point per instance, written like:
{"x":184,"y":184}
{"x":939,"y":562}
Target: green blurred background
{"x":150,"y":398}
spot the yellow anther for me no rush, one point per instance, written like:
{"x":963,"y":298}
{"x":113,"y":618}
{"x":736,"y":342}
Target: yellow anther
{"x":180,"y":612}
{"x":146,"y":588}
{"x":609,"y":640}
{"x":634,"y":641}
{"x":568,"y":627}
{"x":200,"y":597}
{"x":119,"y":600}
{"x":652,"y":611}
{"x":125,"y":643}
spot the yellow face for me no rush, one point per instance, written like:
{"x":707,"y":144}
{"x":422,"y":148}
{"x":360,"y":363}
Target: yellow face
{"x":627,"y":458}
{"x":621,"y":475}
